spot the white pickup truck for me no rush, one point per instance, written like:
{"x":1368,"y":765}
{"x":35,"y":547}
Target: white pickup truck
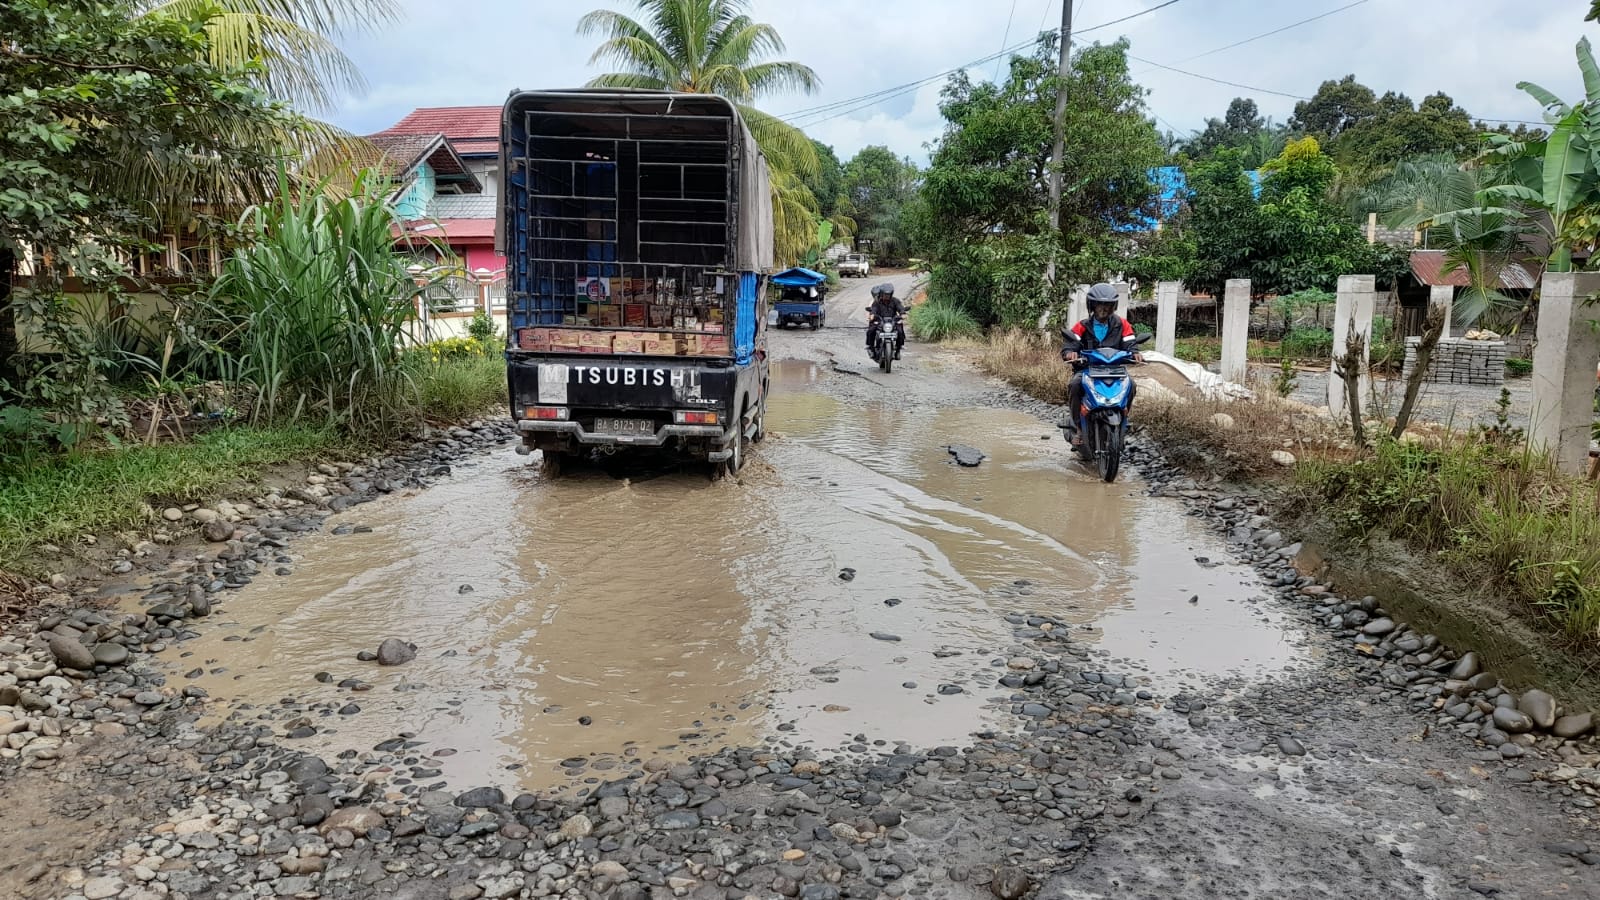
{"x":855,"y":265}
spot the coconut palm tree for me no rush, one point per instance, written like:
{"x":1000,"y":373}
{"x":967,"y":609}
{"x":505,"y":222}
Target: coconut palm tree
{"x":715,"y":47}
{"x":288,"y":49}
{"x":292,"y":39}
{"x":1449,"y":203}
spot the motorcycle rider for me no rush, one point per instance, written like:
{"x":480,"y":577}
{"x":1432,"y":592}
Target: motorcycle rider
{"x":884,"y":303}
{"x":1103,"y":328}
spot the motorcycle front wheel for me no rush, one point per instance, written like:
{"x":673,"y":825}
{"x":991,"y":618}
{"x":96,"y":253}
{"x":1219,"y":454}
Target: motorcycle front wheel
{"x":1108,"y":449}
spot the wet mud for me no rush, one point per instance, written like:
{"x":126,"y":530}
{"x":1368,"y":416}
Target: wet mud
{"x":852,"y":586}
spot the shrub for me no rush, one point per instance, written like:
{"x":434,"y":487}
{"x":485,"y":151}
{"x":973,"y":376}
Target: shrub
{"x":315,"y":310}
{"x":939,"y":320}
{"x":1308,"y":343}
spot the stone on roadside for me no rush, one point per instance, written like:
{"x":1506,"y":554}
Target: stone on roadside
{"x":70,"y":653}
{"x":1573,"y":726}
{"x":1010,"y":883}
{"x":611,"y":869}
{"x":394,"y":652}
{"x":1283,"y":457}
{"x":172,"y":514}
{"x":102,"y":888}
{"x":1540,"y":707}
{"x":357,"y":820}
{"x":110,"y":654}
{"x":577,"y":827}
{"x":1512,"y":721}
{"x":1466,"y":667}
{"x":968,"y":457}
{"x":1223,"y":421}
{"x":217,"y":530}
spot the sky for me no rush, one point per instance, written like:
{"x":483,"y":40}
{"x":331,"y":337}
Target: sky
{"x":474,"y":52}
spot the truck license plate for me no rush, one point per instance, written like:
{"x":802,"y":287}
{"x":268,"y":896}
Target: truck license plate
{"x":627,"y":427}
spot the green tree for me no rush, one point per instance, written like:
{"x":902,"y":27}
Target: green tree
{"x":987,"y":186}
{"x":715,"y":47}
{"x":1220,"y":221}
{"x":1399,"y":132}
{"x":107,"y":120}
{"x":1554,"y":183}
{"x":1286,"y":237}
{"x":1240,"y":127}
{"x":827,"y":182}
{"x":1304,"y":240}
{"x":878,"y":185}
{"x":1336,"y":107}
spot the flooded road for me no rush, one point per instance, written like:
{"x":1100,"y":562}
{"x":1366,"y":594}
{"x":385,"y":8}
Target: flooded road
{"x":847,"y":589}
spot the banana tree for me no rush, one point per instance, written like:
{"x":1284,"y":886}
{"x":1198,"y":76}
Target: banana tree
{"x":1555,"y":182}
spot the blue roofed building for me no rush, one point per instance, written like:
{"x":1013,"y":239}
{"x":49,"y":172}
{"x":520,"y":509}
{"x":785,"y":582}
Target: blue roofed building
{"x":1172,"y":191}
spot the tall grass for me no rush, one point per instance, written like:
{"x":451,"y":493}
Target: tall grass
{"x":316,"y":308}
{"x":939,"y":320}
{"x":458,"y":378}
{"x":1029,"y":360}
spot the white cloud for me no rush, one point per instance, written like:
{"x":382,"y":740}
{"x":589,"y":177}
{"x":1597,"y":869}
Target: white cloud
{"x":450,"y":54}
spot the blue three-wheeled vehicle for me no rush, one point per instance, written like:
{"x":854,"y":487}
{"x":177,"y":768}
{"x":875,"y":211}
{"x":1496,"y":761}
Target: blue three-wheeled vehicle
{"x":802,"y":297}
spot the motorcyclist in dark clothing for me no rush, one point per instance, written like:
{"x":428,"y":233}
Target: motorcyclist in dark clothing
{"x":1103,"y":328}
{"x":884,"y":303}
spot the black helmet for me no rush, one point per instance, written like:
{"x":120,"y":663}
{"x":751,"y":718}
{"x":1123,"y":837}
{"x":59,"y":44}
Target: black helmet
{"x":1101,"y":293}
{"x":885,"y":288}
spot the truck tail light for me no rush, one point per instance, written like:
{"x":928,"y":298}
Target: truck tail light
{"x":545,"y":412}
{"x":693,"y":417}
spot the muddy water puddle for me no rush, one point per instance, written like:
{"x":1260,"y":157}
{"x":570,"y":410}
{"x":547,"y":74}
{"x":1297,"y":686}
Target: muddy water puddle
{"x":855,"y":585}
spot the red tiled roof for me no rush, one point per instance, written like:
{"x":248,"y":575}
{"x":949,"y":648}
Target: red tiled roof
{"x":470,"y":231}
{"x":471,"y":129}
{"x":1428,"y":267}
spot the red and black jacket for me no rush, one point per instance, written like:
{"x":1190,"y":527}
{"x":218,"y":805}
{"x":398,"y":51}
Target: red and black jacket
{"x":1080,"y":337}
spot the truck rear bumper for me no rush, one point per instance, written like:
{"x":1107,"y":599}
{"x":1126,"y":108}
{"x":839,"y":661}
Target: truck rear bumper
{"x":577,"y":432}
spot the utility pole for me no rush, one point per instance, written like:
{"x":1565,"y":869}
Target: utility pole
{"x":1063,"y":69}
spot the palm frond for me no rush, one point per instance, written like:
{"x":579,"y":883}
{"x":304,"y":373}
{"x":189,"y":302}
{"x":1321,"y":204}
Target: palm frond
{"x":292,"y":39}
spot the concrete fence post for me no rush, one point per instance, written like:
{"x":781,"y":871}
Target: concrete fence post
{"x":1444,"y":297}
{"x":1123,"y":295}
{"x":1352,"y":308}
{"x":1079,"y":307}
{"x":1564,"y":363}
{"x":1236,"y":330}
{"x":1167,"y":317}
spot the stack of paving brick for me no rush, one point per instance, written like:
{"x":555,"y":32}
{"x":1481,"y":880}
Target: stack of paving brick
{"x":1460,"y":361}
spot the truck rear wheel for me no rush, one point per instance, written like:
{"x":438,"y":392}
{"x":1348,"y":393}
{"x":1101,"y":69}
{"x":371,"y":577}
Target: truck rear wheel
{"x":554,"y":463}
{"x":731,"y":466}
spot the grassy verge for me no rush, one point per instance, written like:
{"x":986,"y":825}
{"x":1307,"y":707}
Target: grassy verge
{"x":55,"y":499}
{"x":58,"y":499}
{"x":1491,"y":514}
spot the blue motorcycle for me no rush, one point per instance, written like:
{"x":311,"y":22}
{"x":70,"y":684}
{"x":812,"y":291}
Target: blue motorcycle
{"x":1107,"y":400}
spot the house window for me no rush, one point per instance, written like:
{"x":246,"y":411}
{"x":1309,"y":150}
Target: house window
{"x":196,"y":255}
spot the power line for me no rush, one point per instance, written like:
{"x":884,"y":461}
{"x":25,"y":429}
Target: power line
{"x":1246,"y":87}
{"x":1045,"y":16}
{"x":1267,"y":34}
{"x":855,"y":104}
{"x":1005,"y":37}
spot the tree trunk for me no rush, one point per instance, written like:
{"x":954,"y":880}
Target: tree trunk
{"x":1348,"y":368}
{"x":1433,"y":330}
{"x":8,"y":319}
